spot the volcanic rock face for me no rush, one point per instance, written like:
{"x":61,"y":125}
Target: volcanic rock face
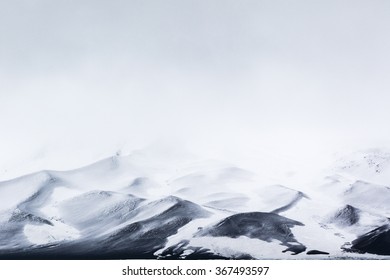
{"x":264,"y":226}
{"x":347,"y":216}
{"x":134,"y":207}
{"x":376,"y":241}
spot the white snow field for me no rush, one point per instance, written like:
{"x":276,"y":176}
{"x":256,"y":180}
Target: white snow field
{"x":143,"y":205}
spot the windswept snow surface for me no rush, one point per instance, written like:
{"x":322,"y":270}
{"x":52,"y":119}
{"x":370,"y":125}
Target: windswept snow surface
{"x":174,"y":206}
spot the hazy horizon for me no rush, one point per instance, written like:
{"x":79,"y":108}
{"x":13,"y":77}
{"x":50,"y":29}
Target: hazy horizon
{"x":86,"y":78}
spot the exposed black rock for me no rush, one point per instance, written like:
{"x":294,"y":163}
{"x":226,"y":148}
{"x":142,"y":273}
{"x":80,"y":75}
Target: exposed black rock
{"x":21,"y":216}
{"x":316,"y":252}
{"x":293,"y":202}
{"x":264,"y":226}
{"x":180,"y":251}
{"x":259,"y":225}
{"x":376,"y":241}
{"x":295,"y":249}
{"x":346,"y":216}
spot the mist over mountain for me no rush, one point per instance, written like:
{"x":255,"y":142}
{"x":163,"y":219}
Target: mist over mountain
{"x":80,"y":81}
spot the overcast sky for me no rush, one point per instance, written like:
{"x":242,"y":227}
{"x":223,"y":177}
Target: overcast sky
{"x":291,"y":75}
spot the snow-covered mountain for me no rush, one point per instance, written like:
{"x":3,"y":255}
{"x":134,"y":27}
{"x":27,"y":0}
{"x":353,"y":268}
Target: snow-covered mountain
{"x":158,"y":206}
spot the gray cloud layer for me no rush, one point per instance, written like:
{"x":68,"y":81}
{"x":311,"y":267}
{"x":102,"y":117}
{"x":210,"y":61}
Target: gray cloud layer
{"x":296,"y":74}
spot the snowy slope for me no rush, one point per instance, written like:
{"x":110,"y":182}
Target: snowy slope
{"x":147,"y":205}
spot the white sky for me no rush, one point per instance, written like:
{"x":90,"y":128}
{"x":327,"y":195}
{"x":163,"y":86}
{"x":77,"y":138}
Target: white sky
{"x":302,"y":77}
